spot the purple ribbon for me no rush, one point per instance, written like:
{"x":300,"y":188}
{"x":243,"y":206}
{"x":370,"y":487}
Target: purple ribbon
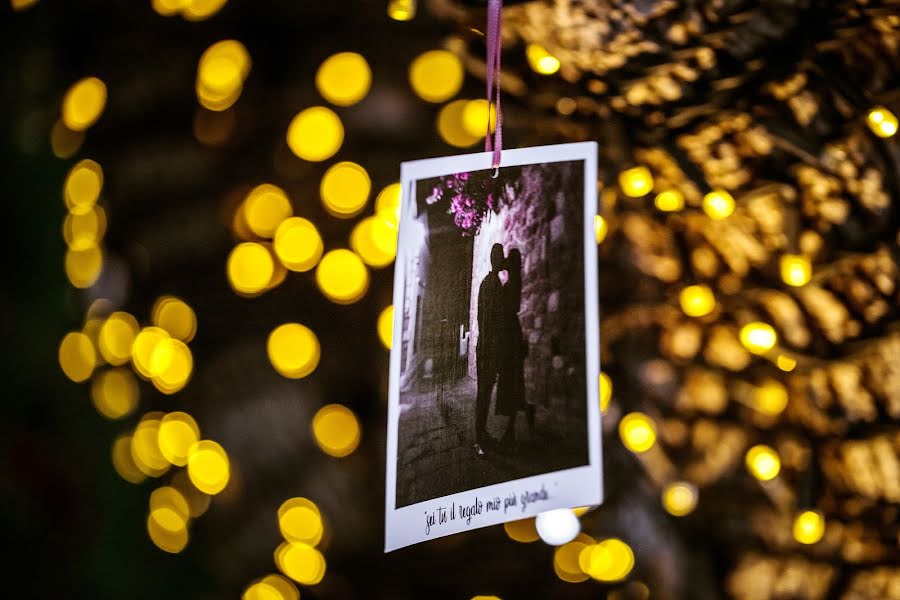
{"x":494,"y":142}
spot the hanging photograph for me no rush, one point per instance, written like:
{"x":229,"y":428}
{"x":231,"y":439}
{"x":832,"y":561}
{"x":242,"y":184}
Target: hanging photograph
{"x":493,"y":403}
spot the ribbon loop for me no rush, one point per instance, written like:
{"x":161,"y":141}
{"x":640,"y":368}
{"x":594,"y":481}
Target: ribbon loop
{"x":493,"y":141}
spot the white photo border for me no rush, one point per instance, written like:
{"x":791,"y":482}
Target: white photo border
{"x":568,"y":488}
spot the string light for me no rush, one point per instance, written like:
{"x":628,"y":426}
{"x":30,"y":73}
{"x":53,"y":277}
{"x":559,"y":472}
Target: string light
{"x":386,"y":326}
{"x":375,"y":241}
{"x":600,"y":228}
{"x":169,"y":508}
{"x":540,"y":60}
{"x":175,"y":316}
{"x":697,"y":300}
{"x":301,"y":562}
{"x":523,"y":530}
{"x":718,"y":204}
{"x":436,"y":75}
{"x":85,"y":230}
{"x":271,"y":587}
{"x":300,"y":521}
{"x":208,"y":467}
{"x":77,"y":357}
{"x":342,"y":276}
{"x":250,"y":268}
{"x":637,"y":431}
{"x":336,"y":430}
{"x":345,"y":189}
{"x":387,"y":204}
{"x":557,"y":527}
{"x":606,"y":388}
{"x":221,"y":72}
{"x":198,"y":10}
{"x":796,"y":269}
{"x":178,"y":432}
{"x":315,"y":134}
{"x":114,"y":393}
{"x":166,"y":540}
{"x":83,"y":267}
{"x":297,"y":244}
{"x":265,"y":207}
{"x":770,"y":398}
{"x":145,"y":446}
{"x":144,"y":349}
{"x":63,"y":141}
{"x":565,"y":559}
{"x":401,"y":10}
{"x":82,"y":187}
{"x":785,"y":362}
{"x":636,"y":181}
{"x":451,"y":128}
{"x":882,"y":122}
{"x":293,"y":350}
{"x":679,"y":498}
{"x":763,"y":462}
{"x":609,"y":560}
{"x":475,"y":117}
{"x":123,"y":462}
{"x":344,"y":78}
{"x":758,"y":337}
{"x":809,"y":527}
{"x":84,"y":103}
{"x":669,"y":201}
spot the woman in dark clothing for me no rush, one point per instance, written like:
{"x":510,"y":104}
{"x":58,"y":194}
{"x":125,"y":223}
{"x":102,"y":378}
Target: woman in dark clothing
{"x":511,"y":381}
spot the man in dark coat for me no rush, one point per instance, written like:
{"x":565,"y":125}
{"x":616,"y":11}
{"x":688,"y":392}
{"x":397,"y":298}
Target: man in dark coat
{"x":489,"y":344}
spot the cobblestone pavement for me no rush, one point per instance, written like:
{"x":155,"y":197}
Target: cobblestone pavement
{"x":436,"y":454}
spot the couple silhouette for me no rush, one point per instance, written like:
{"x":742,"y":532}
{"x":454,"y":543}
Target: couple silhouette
{"x":501,"y":348}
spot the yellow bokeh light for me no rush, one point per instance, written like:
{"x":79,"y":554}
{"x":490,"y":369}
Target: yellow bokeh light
{"x":669,"y":201}
{"x":221,"y":72}
{"x":375,"y":241}
{"x":165,"y":539}
{"x":718,"y":204}
{"x":637,"y":431}
{"x":386,"y":326}
{"x":451,"y":127}
{"x":169,"y":508}
{"x":298,"y":244}
{"x":770,"y":398}
{"x":83,"y":267}
{"x":63,"y":141}
{"x":697,"y":300}
{"x":763,"y":462}
{"x":175,"y":316}
{"x":342,"y":276}
{"x":177,"y":434}
{"x":344,"y":78}
{"x":293,"y":350}
{"x":758,"y":337}
{"x":345,"y":189}
{"x":315,"y":134}
{"x":475,"y":117}
{"x":24,"y":4}
{"x":271,"y":587}
{"x":300,"y":521}
{"x":679,"y":498}
{"x":83,"y":103}
{"x":168,"y":8}
{"x":882,"y":122}
{"x":265,"y":207}
{"x":809,"y":527}
{"x":785,"y":362}
{"x":123,"y":462}
{"x":250,"y":268}
{"x":208,"y":467}
{"x":83,"y":186}
{"x":336,"y":430}
{"x":436,"y":75}
{"x":601,"y":228}
{"x":198,"y":10}
{"x":609,"y":560}
{"x":77,"y":356}
{"x":145,"y":446}
{"x":115,"y":393}
{"x":401,"y":10}
{"x":522,"y":530}
{"x":796,"y":270}
{"x":144,"y":349}
{"x":301,"y":562}
{"x":606,"y":389}
{"x":540,"y":60}
{"x":636,"y":181}
{"x":198,"y":502}
{"x":85,"y":230}
{"x":387,"y":204}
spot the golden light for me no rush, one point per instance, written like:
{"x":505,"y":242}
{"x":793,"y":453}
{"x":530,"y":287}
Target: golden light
{"x":301,"y":562}
{"x":336,"y":430}
{"x":566,"y":559}
{"x":144,"y":349}
{"x":763,"y":462}
{"x":115,"y":393}
{"x":451,"y":128}
{"x":375,"y":241}
{"x":167,"y":8}
{"x":315,"y":134}
{"x":342,"y":276}
{"x":83,"y":103}
{"x":123,"y":462}
{"x":401,"y":10}
{"x":169,"y":508}
{"x":718,"y":204}
{"x":265,"y":207}
{"x":785,"y":362}
{"x":475,"y":117}
{"x":208,"y":467}
{"x":250,"y":268}
{"x":636,"y":181}
{"x":19,"y":5}
{"x":221,"y":72}
{"x":298,"y":244}
{"x":386,"y":326}
{"x":809,"y":527}
{"x":540,"y":60}
{"x":145,"y":446}
{"x":175,"y":316}
{"x":165,"y":539}
{"x":522,"y":531}
{"x":271,"y":587}
{"x":344,"y":78}
{"x":77,"y":356}
{"x":609,"y":560}
{"x":679,"y":498}
{"x":606,"y":389}
{"x":198,"y":10}
{"x":300,"y":521}
{"x":82,"y":187}
{"x":697,"y":300}
{"x":669,"y":201}
{"x":83,"y":267}
{"x":758,"y":337}
{"x":637,"y":431}
{"x":387,"y":204}
{"x":436,"y":75}
{"x":198,"y":502}
{"x":84,"y":231}
{"x":293,"y":350}
{"x":63,"y":141}
{"x":882,"y":122}
{"x":345,"y":189}
{"x":178,"y":432}
{"x":770,"y":398}
{"x":796,"y":270}
{"x":601,"y":228}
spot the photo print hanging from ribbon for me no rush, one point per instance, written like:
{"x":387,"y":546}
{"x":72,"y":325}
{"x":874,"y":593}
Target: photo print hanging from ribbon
{"x":494,"y":410}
